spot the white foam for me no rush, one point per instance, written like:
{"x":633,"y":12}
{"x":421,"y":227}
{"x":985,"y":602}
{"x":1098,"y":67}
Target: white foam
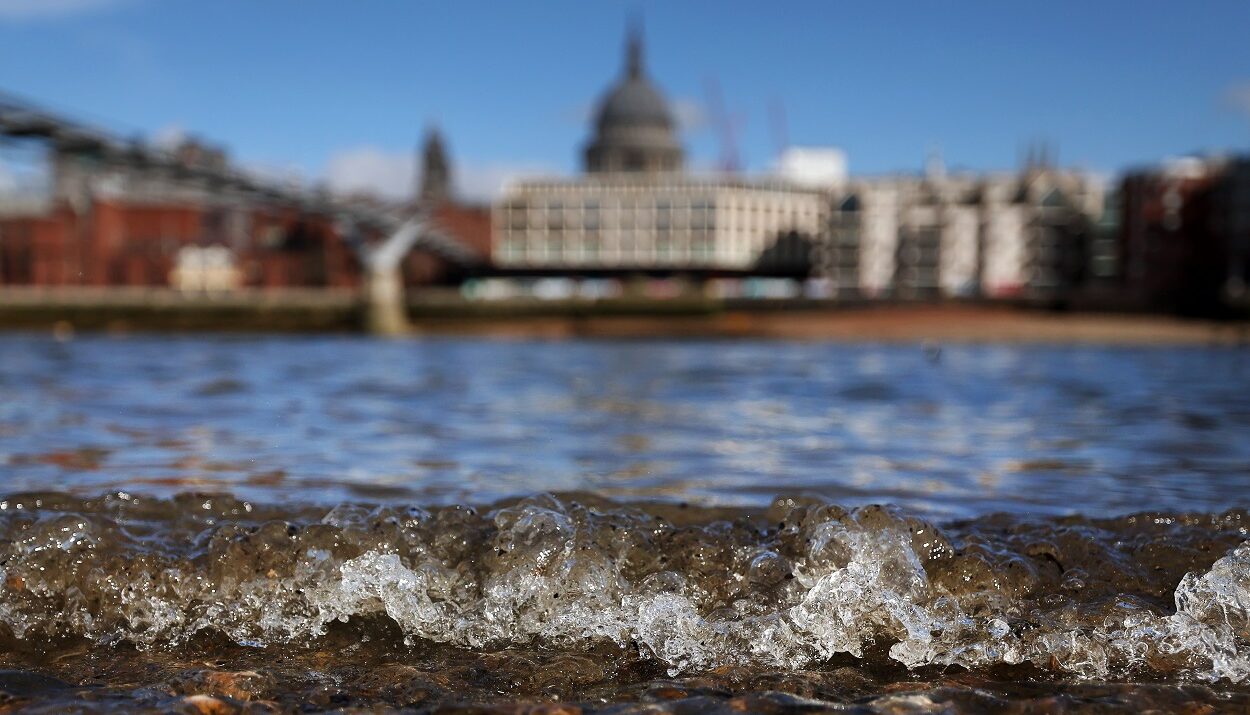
{"x":564,"y":580}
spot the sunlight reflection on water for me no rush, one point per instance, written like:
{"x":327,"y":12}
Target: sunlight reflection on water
{"x":437,"y":421}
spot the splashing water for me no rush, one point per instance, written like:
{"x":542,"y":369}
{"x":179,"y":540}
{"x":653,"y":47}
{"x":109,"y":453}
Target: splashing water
{"x":788,"y":589}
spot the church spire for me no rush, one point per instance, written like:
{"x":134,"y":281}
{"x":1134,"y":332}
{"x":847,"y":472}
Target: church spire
{"x":633,"y":49}
{"x":434,"y":181}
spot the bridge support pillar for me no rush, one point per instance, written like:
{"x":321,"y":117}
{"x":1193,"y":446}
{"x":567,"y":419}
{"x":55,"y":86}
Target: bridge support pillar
{"x":386,"y":312}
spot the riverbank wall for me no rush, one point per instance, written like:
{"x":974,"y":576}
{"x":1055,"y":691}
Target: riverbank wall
{"x":160,"y":310}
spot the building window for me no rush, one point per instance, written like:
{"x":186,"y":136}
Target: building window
{"x":518,"y":217}
{"x":590,"y":215}
{"x":664,"y":247}
{"x":591,"y":246}
{"x":701,"y":246}
{"x":701,"y":214}
{"x":555,"y":245}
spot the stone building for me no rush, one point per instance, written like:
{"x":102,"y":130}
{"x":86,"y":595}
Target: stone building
{"x":635,"y":209}
{"x":932,"y":236}
{"x":626,"y":222}
{"x":1032,"y":234}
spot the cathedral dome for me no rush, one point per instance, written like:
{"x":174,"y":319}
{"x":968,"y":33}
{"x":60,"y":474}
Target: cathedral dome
{"x":634,"y":129}
{"x":633,"y":102}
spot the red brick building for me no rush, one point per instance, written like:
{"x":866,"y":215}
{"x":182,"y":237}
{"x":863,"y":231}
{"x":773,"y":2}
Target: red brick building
{"x":126,"y":243}
{"x":469,"y":225}
{"x":106,"y":212}
{"x":1171,"y":258}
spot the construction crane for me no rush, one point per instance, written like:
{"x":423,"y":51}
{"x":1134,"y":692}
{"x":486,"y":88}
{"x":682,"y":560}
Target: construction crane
{"x":777,"y":122}
{"x":728,"y":127}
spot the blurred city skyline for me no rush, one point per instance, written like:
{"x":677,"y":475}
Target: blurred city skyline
{"x":343,"y":93}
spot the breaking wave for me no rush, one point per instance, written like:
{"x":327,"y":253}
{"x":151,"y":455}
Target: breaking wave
{"x":1158,"y":595}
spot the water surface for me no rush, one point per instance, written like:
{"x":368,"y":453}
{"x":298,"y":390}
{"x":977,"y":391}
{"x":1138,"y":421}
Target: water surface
{"x":219,"y":524}
{"x":963,"y":432}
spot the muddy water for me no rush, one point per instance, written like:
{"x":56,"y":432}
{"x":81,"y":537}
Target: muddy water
{"x":258,"y":525}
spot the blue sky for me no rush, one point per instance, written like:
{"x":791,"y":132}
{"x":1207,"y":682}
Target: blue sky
{"x":344,"y":89}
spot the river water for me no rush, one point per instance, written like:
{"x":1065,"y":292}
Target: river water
{"x":207,"y":523}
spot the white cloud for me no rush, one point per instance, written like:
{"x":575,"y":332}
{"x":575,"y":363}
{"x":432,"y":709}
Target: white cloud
{"x":371,"y":170}
{"x":487,"y":181}
{"x":392,"y":175}
{"x":812,"y":167}
{"x":17,"y":10}
{"x":1237,"y":97}
{"x":169,"y":136}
